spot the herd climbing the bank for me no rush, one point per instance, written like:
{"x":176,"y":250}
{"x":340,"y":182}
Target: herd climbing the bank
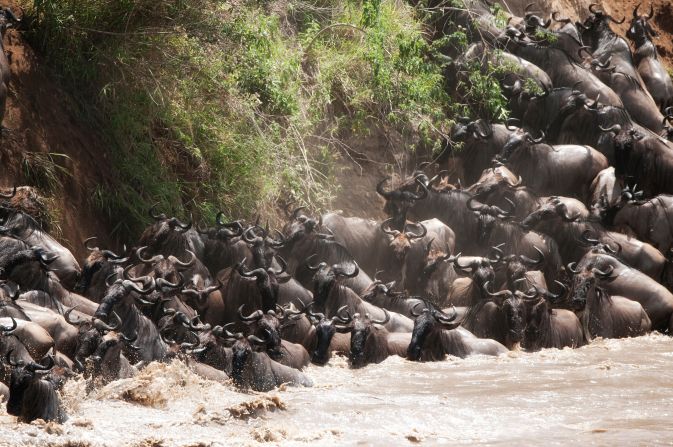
{"x":563,"y":233}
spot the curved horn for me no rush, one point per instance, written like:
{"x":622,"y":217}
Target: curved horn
{"x":506,"y":293}
{"x":635,"y":11}
{"x":614,"y":128}
{"x":554,"y":15}
{"x":413,"y":309}
{"x":355,"y":272}
{"x":423,"y":232}
{"x":603,"y":274}
{"x":533,"y":262}
{"x":386,"y":229}
{"x":587,"y":239}
{"x":382,"y":192}
{"x":186,"y":264}
{"x":572,"y":268}
{"x":152,"y":260}
{"x":86,"y":243}
{"x":8,"y":329}
{"x":316,"y":267}
{"x":386,"y":318}
{"x":66,"y":315}
{"x":593,"y":11}
{"x":255,"y":316}
{"x":154,"y":216}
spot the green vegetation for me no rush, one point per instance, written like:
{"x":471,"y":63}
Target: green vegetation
{"x":215,"y":105}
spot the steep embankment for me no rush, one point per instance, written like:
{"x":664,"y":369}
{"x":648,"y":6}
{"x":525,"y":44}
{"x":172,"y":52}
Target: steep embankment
{"x":49,"y":146}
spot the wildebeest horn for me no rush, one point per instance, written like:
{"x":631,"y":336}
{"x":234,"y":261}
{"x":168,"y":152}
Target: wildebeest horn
{"x":506,"y":293}
{"x":385,"y":227}
{"x":186,"y":264}
{"x":33,"y":366}
{"x":614,"y":128}
{"x":152,"y":260}
{"x":554,"y":15}
{"x":162,"y":283}
{"x":423,"y":232}
{"x":86,"y":243}
{"x":316,"y":267}
{"x":386,"y":318}
{"x":103,"y":326}
{"x":255,"y":316}
{"x":8,"y":12}
{"x":457,"y":264}
{"x":536,"y":140}
{"x":572,"y":268}
{"x":635,"y":11}
{"x":413,"y":310}
{"x":424,"y":191}
{"x":592,"y":10}
{"x":614,"y":251}
{"x":66,"y":315}
{"x":256,"y":340}
{"x":154,"y":216}
{"x":352,"y":274}
{"x":10,"y":195}
{"x":447,"y":320}
{"x":8,"y":329}
{"x":496,"y":250}
{"x":511,"y":120}
{"x":618,"y":22}
{"x":603,"y":274}
{"x":586,"y":238}
{"x":382,"y":192}
{"x":533,"y":262}
{"x":585,"y":49}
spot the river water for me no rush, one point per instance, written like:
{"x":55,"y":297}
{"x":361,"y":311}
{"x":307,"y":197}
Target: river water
{"x":612,"y":392}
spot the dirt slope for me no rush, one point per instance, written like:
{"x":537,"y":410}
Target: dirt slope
{"x":42,"y":119}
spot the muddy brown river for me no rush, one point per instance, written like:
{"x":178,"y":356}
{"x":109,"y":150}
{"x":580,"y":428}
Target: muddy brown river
{"x":613,"y":392}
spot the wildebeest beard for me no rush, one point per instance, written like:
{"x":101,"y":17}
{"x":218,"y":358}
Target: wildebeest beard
{"x":422,"y":327}
{"x":325,"y":331}
{"x":241,"y":353}
{"x":358,"y":339}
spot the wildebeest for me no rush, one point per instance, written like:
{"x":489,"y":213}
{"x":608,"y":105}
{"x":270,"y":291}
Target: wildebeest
{"x":560,"y":218}
{"x":370,"y":341}
{"x":653,"y":72}
{"x":257,"y":371}
{"x":437,"y":335}
{"x":616,"y":278}
{"x":97,"y":266}
{"x":566,"y":170}
{"x":547,"y":327}
{"x":32,"y":393}
{"x":607,"y":316}
{"x":329,"y":295}
{"x":650,"y":220}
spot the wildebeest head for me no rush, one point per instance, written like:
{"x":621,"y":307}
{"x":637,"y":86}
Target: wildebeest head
{"x":586,"y":275}
{"x":325,"y":277}
{"x":599,"y":21}
{"x":464,"y":129}
{"x":223,"y":231}
{"x":32,"y":393}
{"x":120,"y":288}
{"x":428,"y":321}
{"x":262,"y":245}
{"x":164,"y":226}
{"x":513,"y":308}
{"x":360,"y":328}
{"x":166,"y":271}
{"x":265,"y":326}
{"x":267,"y":281}
{"x":532,"y":21}
{"x":88,"y":336}
{"x":516,"y":266}
{"x":517,"y":140}
{"x":400,"y":241}
{"x":242,"y":351}
{"x":106,"y":359}
{"x":479,"y":269}
{"x":550,"y":209}
{"x":488,"y":216}
{"x":640,"y":30}
{"x":96,"y":260}
{"x":324,"y":332}
{"x":398,"y":201}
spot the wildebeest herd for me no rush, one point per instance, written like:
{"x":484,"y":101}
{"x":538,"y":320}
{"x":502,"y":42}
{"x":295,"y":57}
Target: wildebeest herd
{"x":564,"y":234}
